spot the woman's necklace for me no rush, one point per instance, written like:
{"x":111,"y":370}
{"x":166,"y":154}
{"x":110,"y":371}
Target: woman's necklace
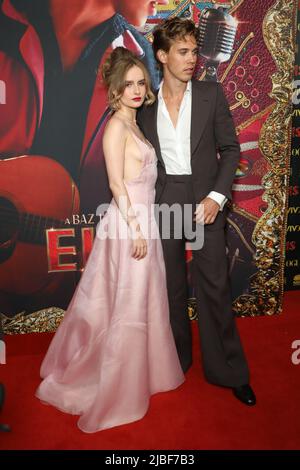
{"x":126,"y":118}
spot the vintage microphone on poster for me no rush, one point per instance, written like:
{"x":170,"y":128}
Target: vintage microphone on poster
{"x":217,"y":30}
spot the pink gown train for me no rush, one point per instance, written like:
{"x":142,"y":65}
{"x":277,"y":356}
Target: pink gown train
{"x":114,"y":347}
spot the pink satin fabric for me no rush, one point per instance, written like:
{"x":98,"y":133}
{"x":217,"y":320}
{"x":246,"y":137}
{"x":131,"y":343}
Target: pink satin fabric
{"x":115,"y":347}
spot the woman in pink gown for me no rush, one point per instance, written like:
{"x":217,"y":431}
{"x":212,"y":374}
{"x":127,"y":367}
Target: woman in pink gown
{"x":114,"y":347}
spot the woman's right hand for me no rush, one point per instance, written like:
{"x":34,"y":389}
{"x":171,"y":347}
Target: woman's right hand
{"x":139,"y":247}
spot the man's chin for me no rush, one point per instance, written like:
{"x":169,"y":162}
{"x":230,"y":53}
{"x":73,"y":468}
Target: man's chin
{"x":187,"y":75}
{"x":186,"y":78}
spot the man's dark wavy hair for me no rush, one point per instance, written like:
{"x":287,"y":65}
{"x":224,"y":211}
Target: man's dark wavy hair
{"x":170,"y":30}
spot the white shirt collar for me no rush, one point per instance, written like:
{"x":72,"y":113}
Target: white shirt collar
{"x":187,"y":90}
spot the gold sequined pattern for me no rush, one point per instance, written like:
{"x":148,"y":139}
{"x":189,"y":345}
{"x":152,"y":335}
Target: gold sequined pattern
{"x":46,"y":320}
{"x":266,"y":289}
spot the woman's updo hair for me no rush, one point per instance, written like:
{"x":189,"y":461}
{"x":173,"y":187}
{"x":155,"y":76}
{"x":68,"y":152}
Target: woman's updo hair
{"x":113,"y":73}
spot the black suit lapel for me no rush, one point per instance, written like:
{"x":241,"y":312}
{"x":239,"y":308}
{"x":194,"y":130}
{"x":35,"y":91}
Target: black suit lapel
{"x":147,"y":120}
{"x":200,"y":112}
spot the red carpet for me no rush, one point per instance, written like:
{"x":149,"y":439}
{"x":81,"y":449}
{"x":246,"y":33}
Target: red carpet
{"x":196,"y":416}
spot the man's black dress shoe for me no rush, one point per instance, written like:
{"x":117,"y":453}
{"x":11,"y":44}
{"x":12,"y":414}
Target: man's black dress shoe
{"x":245,"y":394}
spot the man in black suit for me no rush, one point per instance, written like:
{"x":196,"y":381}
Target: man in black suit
{"x":189,"y":124}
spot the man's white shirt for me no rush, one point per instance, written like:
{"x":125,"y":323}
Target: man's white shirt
{"x":175,"y":144}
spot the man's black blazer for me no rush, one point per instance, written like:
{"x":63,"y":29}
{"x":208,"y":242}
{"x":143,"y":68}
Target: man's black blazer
{"x":212,"y":132}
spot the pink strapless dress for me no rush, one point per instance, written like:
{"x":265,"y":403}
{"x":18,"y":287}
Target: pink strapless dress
{"x":114,"y":347}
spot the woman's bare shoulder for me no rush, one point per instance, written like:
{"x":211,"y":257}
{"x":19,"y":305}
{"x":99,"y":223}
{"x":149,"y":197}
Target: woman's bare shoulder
{"x":116,"y":124}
